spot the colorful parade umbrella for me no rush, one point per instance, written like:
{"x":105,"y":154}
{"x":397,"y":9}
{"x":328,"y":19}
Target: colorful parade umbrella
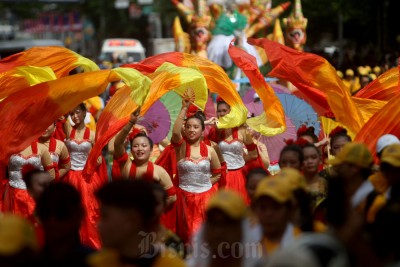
{"x":246,"y":80}
{"x":157,"y":122}
{"x":276,"y":143}
{"x":299,"y":111}
{"x":209,"y":110}
{"x":254,"y":108}
{"x":173,"y":103}
{"x":279,"y":89}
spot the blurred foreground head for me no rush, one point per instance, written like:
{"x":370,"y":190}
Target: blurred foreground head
{"x":128,"y":212}
{"x":60,"y":210}
{"x":18,"y":244}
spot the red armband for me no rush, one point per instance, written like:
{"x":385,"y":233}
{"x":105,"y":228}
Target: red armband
{"x":217,"y":171}
{"x":222,"y":179}
{"x":122,"y":159}
{"x":65,"y":161}
{"x":223,"y":166}
{"x":171,"y":191}
{"x":48,"y":168}
{"x":177,"y":144}
{"x":251,"y":146}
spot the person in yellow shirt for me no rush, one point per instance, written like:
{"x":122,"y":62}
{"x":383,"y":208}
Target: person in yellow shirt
{"x":302,"y":216}
{"x":128,"y":227}
{"x":390,"y":170}
{"x":377,"y":179}
{"x":353,"y":166}
{"x":227,"y":237}
{"x":349,"y":79}
{"x":18,"y":243}
{"x":273,"y":205}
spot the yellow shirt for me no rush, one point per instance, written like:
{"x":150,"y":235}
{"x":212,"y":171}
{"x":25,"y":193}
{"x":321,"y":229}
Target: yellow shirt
{"x":271,"y":246}
{"x":379,"y":182}
{"x":110,"y":258}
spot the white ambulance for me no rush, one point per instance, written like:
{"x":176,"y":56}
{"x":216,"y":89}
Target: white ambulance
{"x":122,"y":50}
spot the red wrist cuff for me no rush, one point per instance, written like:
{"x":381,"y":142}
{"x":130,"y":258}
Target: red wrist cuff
{"x":122,"y":159}
{"x":171,"y":191}
{"x":251,"y":146}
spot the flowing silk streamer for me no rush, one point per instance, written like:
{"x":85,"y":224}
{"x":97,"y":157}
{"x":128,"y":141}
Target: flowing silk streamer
{"x":26,"y":114}
{"x":20,"y":78}
{"x":61,"y":60}
{"x":272,"y":121}
{"x":383,"y":122}
{"x":187,"y":82}
{"x":328,"y":125}
{"x":146,"y":91}
{"x":217,"y":82}
{"x":385,"y":87}
{"x":309,"y":73}
{"x":117,"y":112}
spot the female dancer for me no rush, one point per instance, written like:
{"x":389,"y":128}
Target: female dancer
{"x":262,"y":160}
{"x":16,"y":198}
{"x":58,"y":152}
{"x":198,"y":168}
{"x":338,"y":138}
{"x":316,"y":185}
{"x":79,"y":143}
{"x":141,"y":167}
{"x":231,"y":142}
{"x":291,"y":156}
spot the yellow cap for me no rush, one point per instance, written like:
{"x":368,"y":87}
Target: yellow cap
{"x":372,"y":76}
{"x":339,"y":73}
{"x":354,"y":153}
{"x":362,"y":71}
{"x":229,"y":202}
{"x":277,"y":189}
{"x":368,"y":69}
{"x":16,"y":234}
{"x":293,"y":177}
{"x":391,"y":155}
{"x":377,"y":70}
{"x":349,"y":72}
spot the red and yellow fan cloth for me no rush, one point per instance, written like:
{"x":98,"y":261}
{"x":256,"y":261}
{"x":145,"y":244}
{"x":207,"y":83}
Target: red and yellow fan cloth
{"x":217,"y":82}
{"x":186,"y":82}
{"x":27,"y":113}
{"x":188,"y":75}
{"x":272,"y":121}
{"x":319,"y":84}
{"x":37,"y":65}
{"x":372,"y":112}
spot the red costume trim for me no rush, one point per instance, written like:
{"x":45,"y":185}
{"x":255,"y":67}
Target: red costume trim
{"x":34,"y":147}
{"x":251,"y":147}
{"x":337,"y":130}
{"x":86,"y":135}
{"x":235,"y":134}
{"x":148,"y":175}
{"x":47,"y":168}
{"x":52,"y":145}
{"x":135,"y":131}
{"x":124,"y":157}
{"x":65,"y":161}
{"x":217,"y":171}
{"x":174,"y":144}
{"x":171,"y":191}
{"x":203,"y":150}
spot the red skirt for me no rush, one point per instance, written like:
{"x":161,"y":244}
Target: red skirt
{"x":168,"y":219}
{"x":17,"y":201}
{"x":88,"y":232}
{"x":190,"y":209}
{"x":235,"y":180}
